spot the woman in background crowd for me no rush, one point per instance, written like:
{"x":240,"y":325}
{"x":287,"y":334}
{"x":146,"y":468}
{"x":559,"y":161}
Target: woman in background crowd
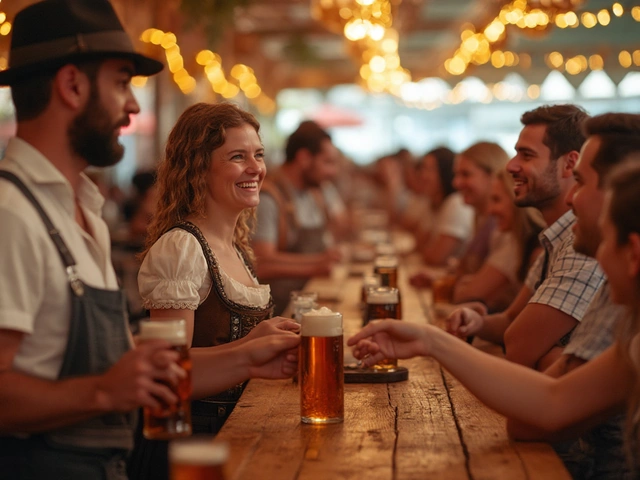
{"x":445,"y":230}
{"x":513,"y":246}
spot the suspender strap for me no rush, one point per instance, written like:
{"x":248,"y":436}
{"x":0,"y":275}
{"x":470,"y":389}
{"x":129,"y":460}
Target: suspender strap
{"x":65,"y":254}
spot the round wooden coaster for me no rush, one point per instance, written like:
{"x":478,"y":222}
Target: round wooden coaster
{"x":355,"y":374}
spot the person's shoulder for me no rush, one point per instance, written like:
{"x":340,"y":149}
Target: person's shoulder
{"x":15,"y":205}
{"x":174,"y":239}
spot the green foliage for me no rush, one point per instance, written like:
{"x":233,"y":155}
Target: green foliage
{"x":299,"y":51}
{"x":213,"y":15}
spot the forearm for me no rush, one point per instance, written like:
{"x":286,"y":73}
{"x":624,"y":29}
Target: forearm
{"x":440,"y":249}
{"x":528,"y":396}
{"x":512,"y":390}
{"x":494,"y":327}
{"x":32,"y":405}
{"x":523,"y":431}
{"x":549,"y":358}
{"x":215,"y":369}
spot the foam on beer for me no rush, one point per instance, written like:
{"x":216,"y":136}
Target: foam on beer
{"x":173,"y":331}
{"x":386,"y":261}
{"x":198,"y":452}
{"x":382,"y":296}
{"x":321,"y":323}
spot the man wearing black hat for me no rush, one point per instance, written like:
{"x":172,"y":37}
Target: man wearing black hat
{"x":68,"y":374}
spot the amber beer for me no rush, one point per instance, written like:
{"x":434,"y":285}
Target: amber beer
{"x":197,"y":459}
{"x":382,"y":302}
{"x":443,"y":288}
{"x":386,"y":266}
{"x":170,"y":421}
{"x":321,"y":369}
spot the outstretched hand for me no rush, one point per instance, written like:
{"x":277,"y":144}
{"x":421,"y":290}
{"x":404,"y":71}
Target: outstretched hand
{"x":273,"y":356}
{"x":390,"y":339}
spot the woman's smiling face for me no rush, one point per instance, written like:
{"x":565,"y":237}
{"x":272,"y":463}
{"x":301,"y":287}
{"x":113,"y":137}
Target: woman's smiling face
{"x":237,"y":170}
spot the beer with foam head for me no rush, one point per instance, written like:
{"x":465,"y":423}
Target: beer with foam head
{"x":170,"y":421}
{"x":302,"y":302}
{"x":321,"y":367}
{"x":382,"y":302}
{"x":197,"y":459}
{"x":386,"y":266}
{"x":368,"y":281}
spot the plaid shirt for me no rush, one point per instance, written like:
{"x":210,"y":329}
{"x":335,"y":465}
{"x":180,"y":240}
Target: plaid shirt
{"x":572,"y":279}
{"x":596,"y":332}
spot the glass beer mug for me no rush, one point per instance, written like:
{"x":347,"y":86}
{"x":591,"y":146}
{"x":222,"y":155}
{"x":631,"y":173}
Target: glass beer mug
{"x":321,"y":367}
{"x":302,"y":302}
{"x":170,"y":421}
{"x":386,"y":266}
{"x":197,"y":459}
{"x":382,"y":302}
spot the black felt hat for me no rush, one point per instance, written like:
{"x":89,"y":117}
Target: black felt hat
{"x":51,"y":33}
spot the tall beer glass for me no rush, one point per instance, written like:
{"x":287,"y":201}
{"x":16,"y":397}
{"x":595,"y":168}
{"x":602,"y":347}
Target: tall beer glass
{"x":170,"y":421}
{"x":321,"y":367}
{"x":301,"y":302}
{"x":197,"y":459}
{"x":382,"y":302}
{"x":368,"y":281}
{"x":387,"y":267}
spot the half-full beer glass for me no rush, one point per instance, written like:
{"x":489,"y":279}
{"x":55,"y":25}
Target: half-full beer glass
{"x":197,"y":459}
{"x":170,"y":421}
{"x":382,"y":302}
{"x":321,"y":367}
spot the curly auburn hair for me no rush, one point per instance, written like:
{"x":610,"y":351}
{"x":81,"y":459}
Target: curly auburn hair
{"x":182,"y":176}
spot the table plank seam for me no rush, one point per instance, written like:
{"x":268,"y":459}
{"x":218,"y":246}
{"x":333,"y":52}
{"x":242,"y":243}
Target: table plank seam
{"x":465,"y":450}
{"x":394,"y":472}
{"x":525,"y":469}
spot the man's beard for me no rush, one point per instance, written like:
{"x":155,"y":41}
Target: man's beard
{"x":93,"y":137}
{"x":547,"y":190}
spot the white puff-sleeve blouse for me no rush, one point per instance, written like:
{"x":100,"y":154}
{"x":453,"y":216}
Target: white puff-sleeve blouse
{"x":174,"y":274}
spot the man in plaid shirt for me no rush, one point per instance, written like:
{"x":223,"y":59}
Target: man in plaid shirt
{"x":561,"y":283}
{"x":599,"y":453}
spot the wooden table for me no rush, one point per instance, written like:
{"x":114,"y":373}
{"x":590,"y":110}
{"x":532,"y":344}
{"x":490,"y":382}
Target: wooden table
{"x":429,"y":427}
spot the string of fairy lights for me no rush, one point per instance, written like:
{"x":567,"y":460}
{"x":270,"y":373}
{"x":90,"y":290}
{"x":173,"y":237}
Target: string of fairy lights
{"x":367,"y":26}
{"x":5,"y":29}
{"x":242,"y":78}
{"x":479,"y":47}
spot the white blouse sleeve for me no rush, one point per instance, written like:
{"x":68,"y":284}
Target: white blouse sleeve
{"x":174,"y":273}
{"x":455,"y":218}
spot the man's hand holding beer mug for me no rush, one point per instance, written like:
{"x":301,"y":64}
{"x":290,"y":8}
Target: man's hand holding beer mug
{"x":142,"y":377}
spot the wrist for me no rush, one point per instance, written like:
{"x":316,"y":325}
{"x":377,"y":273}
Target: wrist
{"x":101,"y":399}
{"x":435,"y":342}
{"x":242,"y":359}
